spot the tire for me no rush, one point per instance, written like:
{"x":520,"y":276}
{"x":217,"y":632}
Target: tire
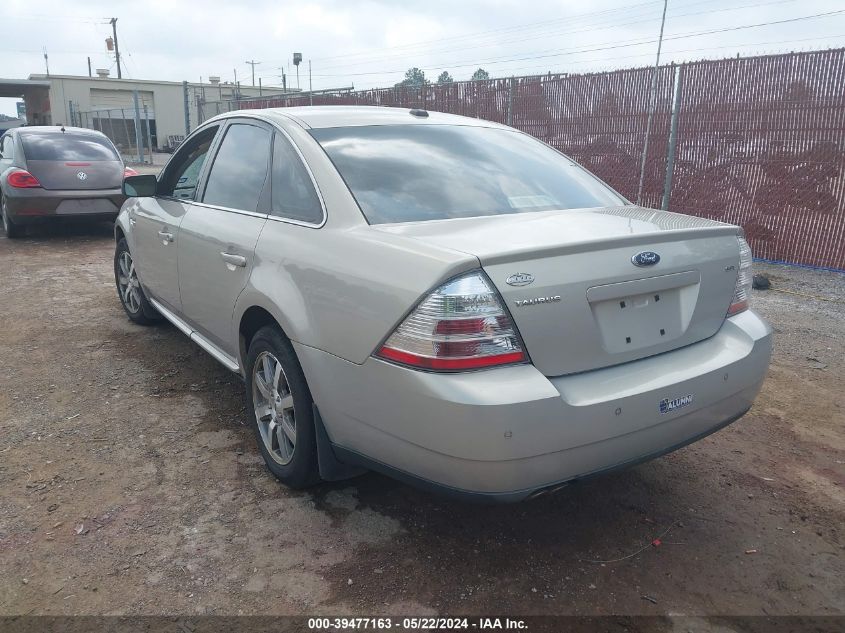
{"x":282,"y":409}
{"x":13,"y":231}
{"x":133,"y":299}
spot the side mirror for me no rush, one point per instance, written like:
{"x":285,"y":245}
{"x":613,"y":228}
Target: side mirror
{"x":143,"y":186}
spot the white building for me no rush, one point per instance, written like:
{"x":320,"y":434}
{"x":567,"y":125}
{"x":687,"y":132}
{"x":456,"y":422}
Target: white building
{"x":108,"y":104}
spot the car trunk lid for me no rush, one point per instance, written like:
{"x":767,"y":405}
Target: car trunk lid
{"x":588,"y":305}
{"x":76,"y":175}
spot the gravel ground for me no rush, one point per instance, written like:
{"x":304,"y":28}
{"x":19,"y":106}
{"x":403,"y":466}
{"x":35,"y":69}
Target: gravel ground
{"x":131,"y":485}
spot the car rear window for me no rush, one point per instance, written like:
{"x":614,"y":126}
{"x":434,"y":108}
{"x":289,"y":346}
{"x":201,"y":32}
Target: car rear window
{"x":408,"y":173}
{"x":67,"y":146}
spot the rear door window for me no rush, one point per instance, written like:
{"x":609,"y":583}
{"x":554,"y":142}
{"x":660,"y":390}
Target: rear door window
{"x":293,"y":196}
{"x":67,"y":146}
{"x":239,"y":171}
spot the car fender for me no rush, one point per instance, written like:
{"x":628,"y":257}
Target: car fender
{"x":122,"y":224}
{"x":251,"y":297}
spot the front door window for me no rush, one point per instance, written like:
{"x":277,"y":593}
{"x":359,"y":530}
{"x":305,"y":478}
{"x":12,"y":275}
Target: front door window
{"x":182,"y":175}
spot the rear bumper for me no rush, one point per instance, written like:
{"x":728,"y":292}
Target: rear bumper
{"x":33,"y":205}
{"x":504,"y":434}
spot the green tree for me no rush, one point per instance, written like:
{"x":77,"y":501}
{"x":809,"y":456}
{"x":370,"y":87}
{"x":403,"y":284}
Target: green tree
{"x":413,"y":77}
{"x":480,"y":74}
{"x":444,"y":78}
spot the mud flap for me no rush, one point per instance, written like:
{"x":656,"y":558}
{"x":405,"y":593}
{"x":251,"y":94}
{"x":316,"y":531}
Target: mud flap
{"x":331,"y":469}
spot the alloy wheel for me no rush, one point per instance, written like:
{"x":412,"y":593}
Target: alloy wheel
{"x":274,"y":409}
{"x":128,"y":284}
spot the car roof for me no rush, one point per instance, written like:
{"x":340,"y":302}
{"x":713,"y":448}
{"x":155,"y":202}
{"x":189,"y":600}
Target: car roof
{"x":348,"y":116}
{"x":54,"y":129}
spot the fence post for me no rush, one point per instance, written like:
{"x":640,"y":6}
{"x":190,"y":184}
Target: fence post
{"x":139,"y":139}
{"x":187,"y":108}
{"x":125,"y":127}
{"x":510,"y":100}
{"x":673,"y":140}
{"x":70,"y":112}
{"x":111,"y":126}
{"x":149,"y":132}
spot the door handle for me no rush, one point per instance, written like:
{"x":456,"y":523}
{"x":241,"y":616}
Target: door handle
{"x":234,"y":260}
{"x":165,"y":236}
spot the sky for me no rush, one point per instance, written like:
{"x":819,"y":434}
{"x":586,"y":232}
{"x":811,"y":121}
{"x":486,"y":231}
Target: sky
{"x":370,"y":43}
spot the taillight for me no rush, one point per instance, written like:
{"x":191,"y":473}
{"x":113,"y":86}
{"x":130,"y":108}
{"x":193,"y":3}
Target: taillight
{"x":22,"y":180}
{"x":128,"y":171}
{"x":461,"y":325}
{"x":744,"y":279}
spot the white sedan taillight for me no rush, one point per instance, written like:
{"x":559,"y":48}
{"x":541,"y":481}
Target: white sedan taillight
{"x":461,"y":325}
{"x":744,"y":279}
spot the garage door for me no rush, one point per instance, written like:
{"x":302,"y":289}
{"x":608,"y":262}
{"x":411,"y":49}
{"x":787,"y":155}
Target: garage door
{"x":115,"y":100}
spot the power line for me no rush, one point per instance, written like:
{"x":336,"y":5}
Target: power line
{"x":544,"y":70}
{"x":497,"y":41}
{"x":624,"y":44}
{"x":380,"y":56}
{"x":59,"y":18}
{"x":557,"y":32}
{"x":492,"y":31}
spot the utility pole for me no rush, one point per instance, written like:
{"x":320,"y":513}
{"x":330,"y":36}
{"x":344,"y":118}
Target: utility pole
{"x":284,"y":82}
{"x":89,"y":66}
{"x":113,"y":23}
{"x":46,"y":61}
{"x":310,"y":86}
{"x":252,"y":63}
{"x":652,"y":104}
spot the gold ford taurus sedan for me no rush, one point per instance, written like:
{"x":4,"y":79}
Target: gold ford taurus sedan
{"x":443,"y":299}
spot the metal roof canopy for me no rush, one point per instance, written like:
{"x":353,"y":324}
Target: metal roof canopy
{"x":20,"y":87}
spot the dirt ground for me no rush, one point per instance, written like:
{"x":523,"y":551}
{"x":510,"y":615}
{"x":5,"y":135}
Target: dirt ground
{"x":132,"y":485}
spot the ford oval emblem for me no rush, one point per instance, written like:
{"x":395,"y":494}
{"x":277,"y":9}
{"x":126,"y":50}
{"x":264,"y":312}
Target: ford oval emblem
{"x":645,"y":258}
{"x":520,"y":279}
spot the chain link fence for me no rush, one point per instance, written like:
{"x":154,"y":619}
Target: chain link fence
{"x":132,"y":130}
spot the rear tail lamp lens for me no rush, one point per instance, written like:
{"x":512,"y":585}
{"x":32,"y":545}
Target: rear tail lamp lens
{"x":22,"y":180}
{"x":744,"y":279}
{"x":461,"y":325}
{"x":128,"y":171}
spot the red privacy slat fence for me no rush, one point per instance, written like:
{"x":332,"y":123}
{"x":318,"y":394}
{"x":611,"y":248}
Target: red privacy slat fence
{"x":760,"y":144}
{"x":759,"y":141}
